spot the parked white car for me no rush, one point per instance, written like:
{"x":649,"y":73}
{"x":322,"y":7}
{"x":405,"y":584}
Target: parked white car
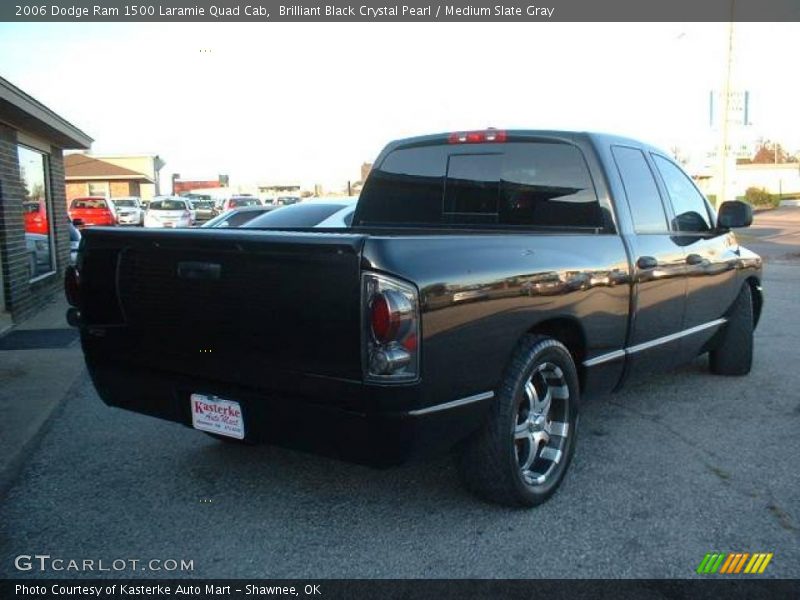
{"x":169,"y":212}
{"x":127,"y":210}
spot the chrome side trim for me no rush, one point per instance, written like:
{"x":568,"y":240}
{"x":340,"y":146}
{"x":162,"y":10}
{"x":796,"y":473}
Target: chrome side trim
{"x":674,"y":336}
{"x":452,"y":404}
{"x":617,"y":354}
{"x":603,"y":358}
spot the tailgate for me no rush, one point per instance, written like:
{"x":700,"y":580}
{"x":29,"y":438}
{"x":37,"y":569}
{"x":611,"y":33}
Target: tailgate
{"x":233,"y":305}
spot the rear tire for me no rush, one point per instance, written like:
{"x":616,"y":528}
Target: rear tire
{"x":733,"y":354}
{"x":520,"y":455}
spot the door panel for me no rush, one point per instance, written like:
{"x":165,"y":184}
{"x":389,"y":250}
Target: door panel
{"x":659,"y":289}
{"x":710,"y":256}
{"x":712,"y":285}
{"x":659,"y":294}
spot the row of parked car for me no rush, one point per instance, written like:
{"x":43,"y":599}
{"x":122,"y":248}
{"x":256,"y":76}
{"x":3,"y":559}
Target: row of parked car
{"x":188,"y":211}
{"x":173,"y":212}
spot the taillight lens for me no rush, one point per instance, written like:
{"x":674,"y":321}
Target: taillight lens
{"x":391,"y":324}
{"x":478,"y":137}
{"x":72,"y":285}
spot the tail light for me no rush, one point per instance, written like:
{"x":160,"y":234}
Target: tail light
{"x":72,"y":285}
{"x":391,"y":329}
{"x":478,"y":137}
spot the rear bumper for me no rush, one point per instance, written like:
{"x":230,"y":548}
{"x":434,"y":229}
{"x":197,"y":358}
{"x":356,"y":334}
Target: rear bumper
{"x":303,"y":421}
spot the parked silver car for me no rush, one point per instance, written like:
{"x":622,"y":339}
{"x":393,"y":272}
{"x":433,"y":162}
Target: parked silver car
{"x":127,"y":210}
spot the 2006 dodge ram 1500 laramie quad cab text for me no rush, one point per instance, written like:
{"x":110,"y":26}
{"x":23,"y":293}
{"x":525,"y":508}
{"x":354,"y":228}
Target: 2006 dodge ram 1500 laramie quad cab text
{"x":490,"y":279}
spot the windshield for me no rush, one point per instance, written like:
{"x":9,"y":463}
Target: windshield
{"x":297,"y":215}
{"x":83,"y":203}
{"x":168,"y":205}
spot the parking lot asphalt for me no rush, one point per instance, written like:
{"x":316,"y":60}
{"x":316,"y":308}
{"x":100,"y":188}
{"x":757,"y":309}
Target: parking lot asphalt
{"x":666,"y":471}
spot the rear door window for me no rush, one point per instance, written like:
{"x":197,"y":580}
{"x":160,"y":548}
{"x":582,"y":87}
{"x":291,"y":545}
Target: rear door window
{"x":542,"y":184}
{"x":641,"y":190}
{"x":90,"y":203}
{"x":168,"y":205}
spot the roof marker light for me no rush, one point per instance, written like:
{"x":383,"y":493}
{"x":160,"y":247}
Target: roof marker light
{"x":478,"y":137}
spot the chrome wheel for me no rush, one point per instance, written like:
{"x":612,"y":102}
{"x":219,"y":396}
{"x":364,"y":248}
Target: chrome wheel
{"x":542,"y":424}
{"x":520,"y":455}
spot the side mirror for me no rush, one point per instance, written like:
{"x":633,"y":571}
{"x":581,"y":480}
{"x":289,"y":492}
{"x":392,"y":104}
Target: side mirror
{"x":77,"y":222}
{"x":733,"y":214}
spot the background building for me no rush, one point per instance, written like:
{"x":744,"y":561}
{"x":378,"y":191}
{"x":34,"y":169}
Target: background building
{"x":34,"y":229}
{"x":781,"y":179}
{"x":112,"y":176}
{"x":182,"y":186}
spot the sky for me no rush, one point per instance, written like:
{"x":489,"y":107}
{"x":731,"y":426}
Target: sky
{"x":309,"y":102}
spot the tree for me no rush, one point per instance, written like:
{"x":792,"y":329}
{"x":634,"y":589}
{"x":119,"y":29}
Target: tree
{"x":768,"y":152}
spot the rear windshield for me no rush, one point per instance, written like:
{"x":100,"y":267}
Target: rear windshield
{"x":88,"y":203}
{"x":203,"y":204}
{"x":167,"y":205}
{"x":239,"y":202}
{"x":305,"y":214}
{"x":131,"y":203}
{"x":524,"y":184}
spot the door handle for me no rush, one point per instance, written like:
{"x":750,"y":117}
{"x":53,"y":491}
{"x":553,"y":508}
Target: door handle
{"x":647,"y":262}
{"x":694,"y":259}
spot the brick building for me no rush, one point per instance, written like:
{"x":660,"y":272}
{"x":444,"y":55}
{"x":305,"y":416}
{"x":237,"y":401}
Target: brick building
{"x":112,"y":176}
{"x":184,"y":186}
{"x":34,"y":232}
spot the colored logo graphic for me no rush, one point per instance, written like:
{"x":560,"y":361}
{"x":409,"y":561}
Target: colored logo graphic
{"x":734,"y":563}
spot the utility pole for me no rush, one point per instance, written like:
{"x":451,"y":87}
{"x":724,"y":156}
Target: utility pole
{"x":726,"y":103}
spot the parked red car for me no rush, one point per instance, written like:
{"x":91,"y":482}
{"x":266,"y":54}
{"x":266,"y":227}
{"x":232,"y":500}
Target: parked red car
{"x":36,"y":217}
{"x":91,"y":210}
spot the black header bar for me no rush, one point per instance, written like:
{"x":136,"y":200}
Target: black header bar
{"x":397,"y":589}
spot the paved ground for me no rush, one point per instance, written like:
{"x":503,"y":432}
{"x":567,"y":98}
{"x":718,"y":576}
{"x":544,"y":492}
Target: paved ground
{"x":775,"y":235}
{"x":685,"y":464}
{"x":32,"y":383}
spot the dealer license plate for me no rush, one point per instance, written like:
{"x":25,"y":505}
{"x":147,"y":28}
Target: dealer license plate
{"x":217,"y":415}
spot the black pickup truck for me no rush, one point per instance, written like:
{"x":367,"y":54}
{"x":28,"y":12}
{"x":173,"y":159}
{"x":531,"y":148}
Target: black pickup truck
{"x":489,"y":281}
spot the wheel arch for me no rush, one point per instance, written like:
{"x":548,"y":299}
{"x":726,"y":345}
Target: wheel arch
{"x":569,"y":331}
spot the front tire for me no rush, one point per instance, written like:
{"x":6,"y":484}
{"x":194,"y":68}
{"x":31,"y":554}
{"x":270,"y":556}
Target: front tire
{"x":733,"y":354}
{"x":520,"y":455}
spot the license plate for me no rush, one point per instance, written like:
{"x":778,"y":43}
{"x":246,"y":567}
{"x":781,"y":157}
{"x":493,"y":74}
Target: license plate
{"x":217,"y":415}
